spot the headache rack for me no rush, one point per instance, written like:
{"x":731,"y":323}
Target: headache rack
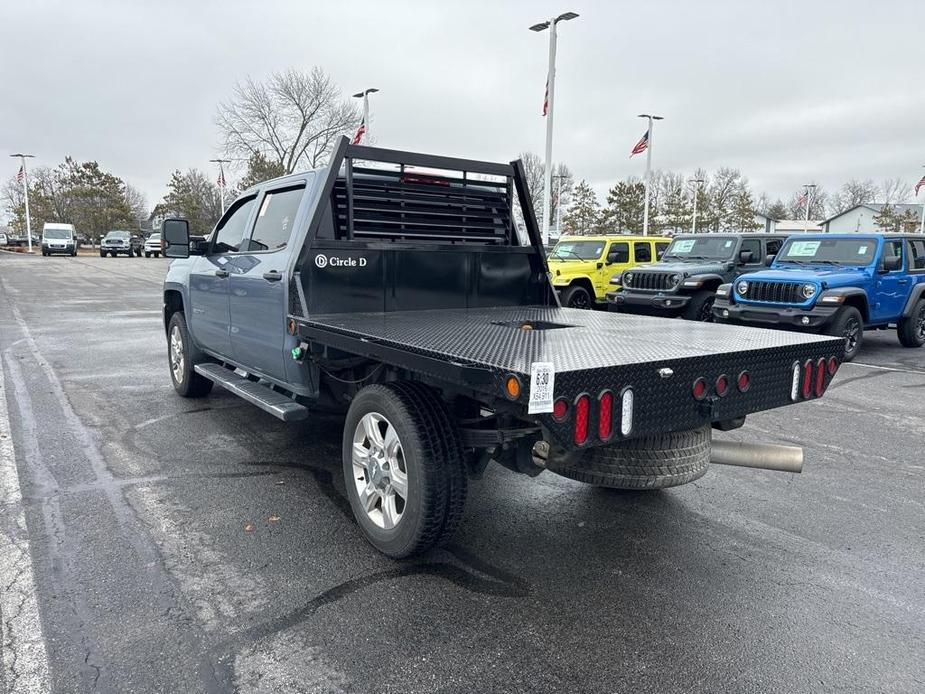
{"x":421,"y":198}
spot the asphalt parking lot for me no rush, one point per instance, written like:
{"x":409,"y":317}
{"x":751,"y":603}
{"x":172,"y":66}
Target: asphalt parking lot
{"x":203,"y":546}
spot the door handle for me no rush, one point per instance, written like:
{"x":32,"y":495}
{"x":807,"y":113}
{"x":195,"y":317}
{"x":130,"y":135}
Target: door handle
{"x":221,"y":273}
{"x":903,"y":281}
{"x":272,"y":276}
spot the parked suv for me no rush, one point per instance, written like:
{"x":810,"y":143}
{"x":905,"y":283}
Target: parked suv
{"x":684,"y":282}
{"x":153,"y":245}
{"x":116,"y":242}
{"x":581,"y":266}
{"x":837,"y":285}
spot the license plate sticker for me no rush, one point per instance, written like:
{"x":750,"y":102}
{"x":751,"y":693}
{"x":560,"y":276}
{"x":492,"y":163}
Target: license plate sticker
{"x":542,"y":383}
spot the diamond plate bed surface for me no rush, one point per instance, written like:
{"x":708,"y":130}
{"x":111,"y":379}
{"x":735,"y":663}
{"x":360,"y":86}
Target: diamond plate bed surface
{"x":586,"y":339}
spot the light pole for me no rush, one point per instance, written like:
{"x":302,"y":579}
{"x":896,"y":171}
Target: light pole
{"x":221,"y":179}
{"x":364,"y":126}
{"x":25,"y":188}
{"x":645,"y":212}
{"x":696,"y":182}
{"x":810,"y":189}
{"x":559,"y":203}
{"x":548,"y":111}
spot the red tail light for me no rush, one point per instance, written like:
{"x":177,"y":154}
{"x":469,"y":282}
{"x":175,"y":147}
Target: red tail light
{"x":700,"y":389}
{"x":560,"y":409}
{"x":807,"y":379}
{"x":582,"y":409}
{"x":820,"y":377}
{"x":722,"y":386}
{"x":605,"y":421}
{"x":833,"y":366}
{"x":744,"y":381}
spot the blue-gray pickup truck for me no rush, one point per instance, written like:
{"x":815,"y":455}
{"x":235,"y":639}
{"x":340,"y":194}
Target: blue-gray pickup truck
{"x":398,"y":288}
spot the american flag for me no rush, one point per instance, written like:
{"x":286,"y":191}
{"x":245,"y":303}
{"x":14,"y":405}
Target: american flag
{"x":919,"y":184}
{"x":221,"y":178}
{"x":642,"y":145}
{"x":21,"y":176}
{"x":546,"y":98}
{"x":361,"y":131}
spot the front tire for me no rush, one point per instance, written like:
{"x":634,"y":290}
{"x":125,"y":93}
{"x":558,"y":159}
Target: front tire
{"x":911,"y":330}
{"x":186,"y":381}
{"x":403,"y":468}
{"x":576,"y":296}
{"x":700,"y":307}
{"x":848,"y":324}
{"x":651,"y":462}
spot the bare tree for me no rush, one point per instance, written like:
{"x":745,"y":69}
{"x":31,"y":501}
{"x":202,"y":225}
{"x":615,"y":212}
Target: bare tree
{"x":853,"y":193}
{"x":137,"y":203}
{"x":535,"y":170}
{"x":293,"y":119}
{"x":894,"y":190}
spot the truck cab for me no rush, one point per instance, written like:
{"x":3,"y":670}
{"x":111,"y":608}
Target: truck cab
{"x":581,"y":266}
{"x":836,"y":284}
{"x":684,"y":281}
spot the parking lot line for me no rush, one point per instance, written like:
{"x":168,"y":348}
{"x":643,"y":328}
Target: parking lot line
{"x":25,"y":660}
{"x":885,"y":368}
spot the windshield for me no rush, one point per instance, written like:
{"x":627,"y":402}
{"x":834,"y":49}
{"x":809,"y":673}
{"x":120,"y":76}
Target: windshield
{"x":578,"y":250}
{"x":155,"y":237}
{"x":117,"y":235}
{"x":834,"y":251}
{"x":701,"y":248}
{"x":57,"y":234}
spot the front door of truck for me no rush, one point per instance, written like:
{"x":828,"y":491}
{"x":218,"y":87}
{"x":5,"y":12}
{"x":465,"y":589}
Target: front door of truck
{"x":257,"y":285}
{"x":893,"y":288}
{"x":209,"y":317}
{"x":616,"y":261}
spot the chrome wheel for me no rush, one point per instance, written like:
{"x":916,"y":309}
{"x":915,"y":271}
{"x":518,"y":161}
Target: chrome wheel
{"x":177,"y":363}
{"x":379,"y":470}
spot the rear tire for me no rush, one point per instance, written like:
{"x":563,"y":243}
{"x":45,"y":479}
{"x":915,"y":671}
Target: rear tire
{"x":911,"y":330}
{"x":700,"y":307}
{"x":848,"y":324}
{"x":402,"y":433}
{"x":102,"y":254}
{"x":652,"y":462}
{"x":577,"y":296}
{"x":186,"y":381}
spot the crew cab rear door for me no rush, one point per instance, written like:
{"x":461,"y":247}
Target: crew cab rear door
{"x":257,"y":285}
{"x":893,"y":288}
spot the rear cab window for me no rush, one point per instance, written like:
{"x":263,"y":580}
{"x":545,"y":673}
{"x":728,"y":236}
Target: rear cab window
{"x":642,"y":252}
{"x":916,"y":251}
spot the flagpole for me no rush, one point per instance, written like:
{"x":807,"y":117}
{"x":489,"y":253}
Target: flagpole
{"x":25,"y":188}
{"x":221,"y":177}
{"x":645,"y":212}
{"x":550,"y":100}
{"x":365,"y":96}
{"x":810,"y":187}
{"x":696,"y":182}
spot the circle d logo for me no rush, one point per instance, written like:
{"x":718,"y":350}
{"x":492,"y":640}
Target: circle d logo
{"x":321,"y":260}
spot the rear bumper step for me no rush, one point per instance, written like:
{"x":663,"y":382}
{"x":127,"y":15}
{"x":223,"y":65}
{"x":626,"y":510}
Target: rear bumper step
{"x":277,"y":404}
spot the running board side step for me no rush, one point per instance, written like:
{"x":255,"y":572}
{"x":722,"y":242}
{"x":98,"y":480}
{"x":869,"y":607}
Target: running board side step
{"x":277,"y":404}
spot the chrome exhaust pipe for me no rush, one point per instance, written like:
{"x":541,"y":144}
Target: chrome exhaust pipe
{"x":764,"y":456}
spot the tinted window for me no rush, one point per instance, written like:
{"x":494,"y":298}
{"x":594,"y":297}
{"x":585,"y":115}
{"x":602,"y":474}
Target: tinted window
{"x":275,"y":219}
{"x":893,"y":248}
{"x":660,"y":249}
{"x":618,"y":253}
{"x":773,"y":246}
{"x":643,"y":252}
{"x":753,"y":245}
{"x":232,"y":227}
{"x":917,"y":255}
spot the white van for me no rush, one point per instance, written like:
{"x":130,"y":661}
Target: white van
{"x":58,"y":238}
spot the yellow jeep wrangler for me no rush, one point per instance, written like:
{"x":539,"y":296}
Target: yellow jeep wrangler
{"x":582,"y":266}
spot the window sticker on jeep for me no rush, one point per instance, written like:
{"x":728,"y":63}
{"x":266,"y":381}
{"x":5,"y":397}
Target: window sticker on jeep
{"x":805,"y":249}
{"x":683,"y":246}
{"x":862,"y":250}
{"x":728,"y":244}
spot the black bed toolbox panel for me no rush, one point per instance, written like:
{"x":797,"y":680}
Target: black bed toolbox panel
{"x":659,"y":359}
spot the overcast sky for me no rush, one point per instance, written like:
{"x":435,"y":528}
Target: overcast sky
{"x":788,"y":91}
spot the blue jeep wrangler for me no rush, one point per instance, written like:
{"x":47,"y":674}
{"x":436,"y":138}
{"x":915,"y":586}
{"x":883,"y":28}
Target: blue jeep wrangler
{"x":836,"y":284}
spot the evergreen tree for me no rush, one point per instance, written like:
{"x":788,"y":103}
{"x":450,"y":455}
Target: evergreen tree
{"x":625,"y":207}
{"x":583,"y":214}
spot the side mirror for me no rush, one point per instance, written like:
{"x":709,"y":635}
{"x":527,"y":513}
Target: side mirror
{"x":768,"y":260}
{"x":892,"y":263}
{"x":745,"y":257}
{"x":175,"y":235}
